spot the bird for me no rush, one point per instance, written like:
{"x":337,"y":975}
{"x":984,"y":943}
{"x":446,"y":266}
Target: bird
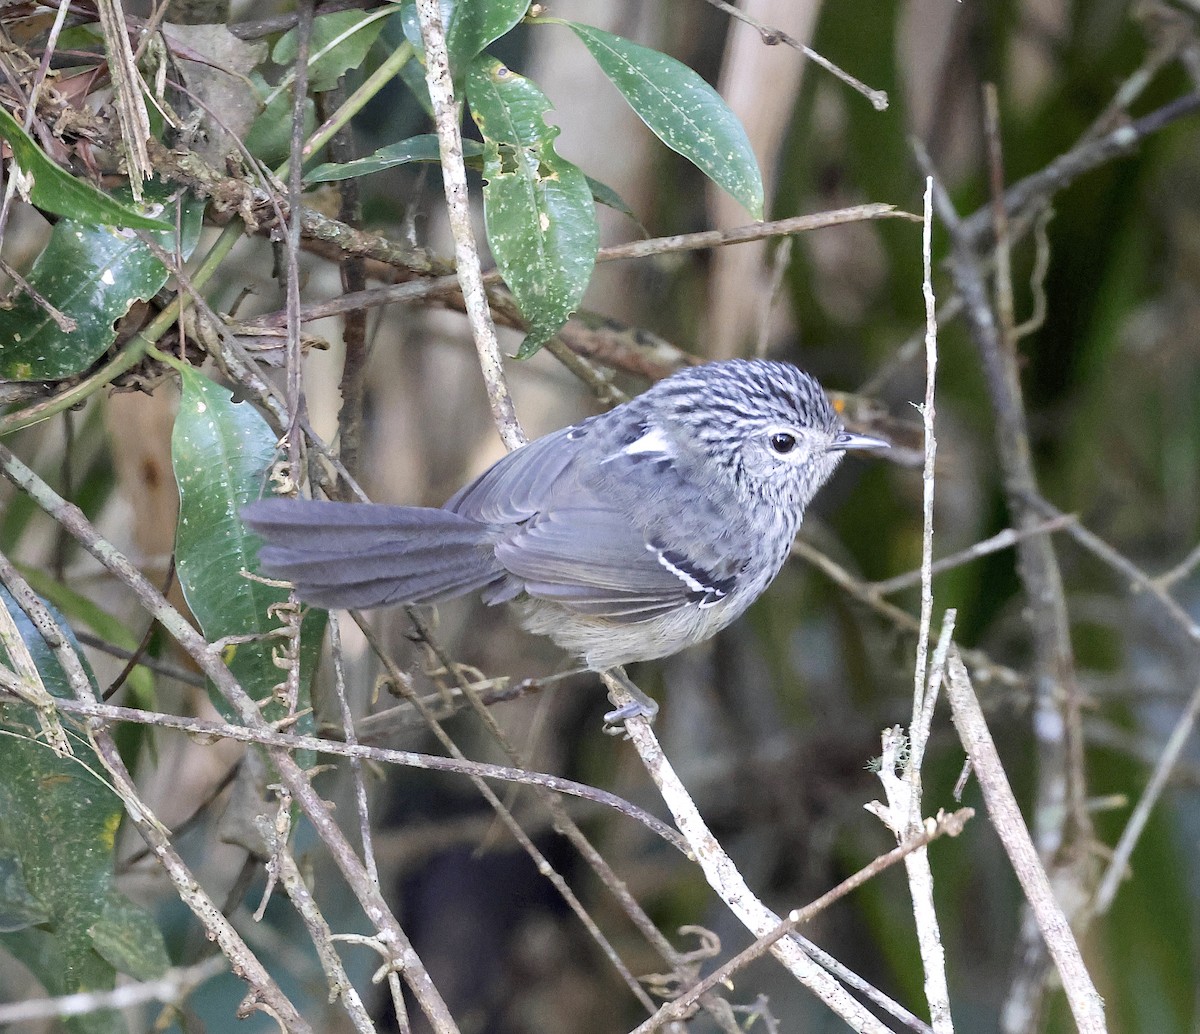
{"x":625,"y":537}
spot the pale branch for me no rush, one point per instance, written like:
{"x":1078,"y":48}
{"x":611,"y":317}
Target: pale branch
{"x":447,"y":111}
{"x":1086,"y":1005}
{"x":723,"y":875}
{"x":929,"y":831}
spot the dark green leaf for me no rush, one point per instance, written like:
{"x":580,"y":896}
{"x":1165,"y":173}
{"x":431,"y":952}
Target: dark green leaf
{"x":683,"y":111}
{"x":58,"y":821}
{"x":339,"y":42}
{"x":476,"y":23}
{"x":541,"y":221}
{"x":19,"y":909}
{"x":603,"y":194}
{"x":270,"y":137}
{"x":57,"y":191}
{"x":222,"y":452}
{"x":92,"y":274}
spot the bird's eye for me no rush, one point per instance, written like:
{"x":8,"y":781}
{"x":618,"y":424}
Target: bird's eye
{"x":782,"y":442}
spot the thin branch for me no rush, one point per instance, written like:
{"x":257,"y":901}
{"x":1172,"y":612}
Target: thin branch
{"x":773,"y":37}
{"x":984,"y":667}
{"x":203,"y":727}
{"x":173,"y":987}
{"x":678,"y":1008}
{"x":1001,"y":540}
{"x":446,"y":115}
{"x":1119,"y":862}
{"x":1138,"y":579}
{"x":723,"y":875}
{"x":1086,"y":1005}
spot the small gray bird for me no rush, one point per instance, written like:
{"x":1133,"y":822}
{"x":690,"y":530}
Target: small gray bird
{"x":625,"y":537}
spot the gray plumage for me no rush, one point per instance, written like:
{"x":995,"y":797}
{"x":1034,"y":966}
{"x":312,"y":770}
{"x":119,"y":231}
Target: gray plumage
{"x":628,"y":536}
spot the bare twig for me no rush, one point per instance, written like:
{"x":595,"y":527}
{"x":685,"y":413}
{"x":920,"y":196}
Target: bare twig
{"x":1086,"y":1004}
{"x":1139,"y":581}
{"x":446,"y":114}
{"x":723,"y":876}
{"x":1119,"y":862}
{"x":773,"y":37}
{"x":1001,"y":540}
{"x":943,"y":825}
{"x":172,"y":987}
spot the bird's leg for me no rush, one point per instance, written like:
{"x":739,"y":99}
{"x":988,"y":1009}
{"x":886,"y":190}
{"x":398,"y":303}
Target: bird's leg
{"x":641,"y":705}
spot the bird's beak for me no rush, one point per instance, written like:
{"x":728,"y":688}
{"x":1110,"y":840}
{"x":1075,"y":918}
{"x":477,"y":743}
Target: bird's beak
{"x":847,"y":440}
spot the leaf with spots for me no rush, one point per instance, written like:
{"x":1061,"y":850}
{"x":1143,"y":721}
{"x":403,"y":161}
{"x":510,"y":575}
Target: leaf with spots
{"x":60,"y":913}
{"x":91,"y":274}
{"x":222,"y":452}
{"x":538,"y":208}
{"x":682,"y":110}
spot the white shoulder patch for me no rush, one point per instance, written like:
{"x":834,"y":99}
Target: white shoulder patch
{"x":653,"y":441}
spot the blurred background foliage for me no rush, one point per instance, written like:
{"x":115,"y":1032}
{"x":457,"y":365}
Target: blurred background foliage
{"x":774,"y":724}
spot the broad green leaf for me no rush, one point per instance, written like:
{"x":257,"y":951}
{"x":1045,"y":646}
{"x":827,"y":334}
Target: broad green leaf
{"x":91,"y":274}
{"x":222,"y":452}
{"x":55,"y":190}
{"x":541,"y":221}
{"x":58,"y":820}
{"x":682,"y":110}
{"x":339,"y":42}
{"x":477,"y":23}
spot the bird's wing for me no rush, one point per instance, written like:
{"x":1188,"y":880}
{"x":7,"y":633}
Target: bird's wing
{"x":519,"y":485}
{"x":595,"y":561}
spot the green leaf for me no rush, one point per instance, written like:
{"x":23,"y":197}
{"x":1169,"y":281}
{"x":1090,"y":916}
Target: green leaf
{"x":269,"y":139}
{"x":339,"y":42}
{"x":475,"y":24}
{"x":222,"y":452}
{"x":58,"y":821}
{"x":55,"y":190}
{"x":682,"y":110}
{"x":91,"y":274}
{"x":541,"y":221}
{"x":82,"y":611}
{"x":423,"y":148}
{"x":19,"y":909}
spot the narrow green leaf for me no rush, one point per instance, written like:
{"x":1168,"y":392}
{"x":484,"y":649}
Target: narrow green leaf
{"x":58,"y":821}
{"x":682,"y":110}
{"x":92,"y":274}
{"x":541,"y":220}
{"x":423,"y":148}
{"x":339,"y":42}
{"x":55,"y":190}
{"x":222,"y":453}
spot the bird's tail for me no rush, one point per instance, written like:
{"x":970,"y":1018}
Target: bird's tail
{"x":350,"y":556}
